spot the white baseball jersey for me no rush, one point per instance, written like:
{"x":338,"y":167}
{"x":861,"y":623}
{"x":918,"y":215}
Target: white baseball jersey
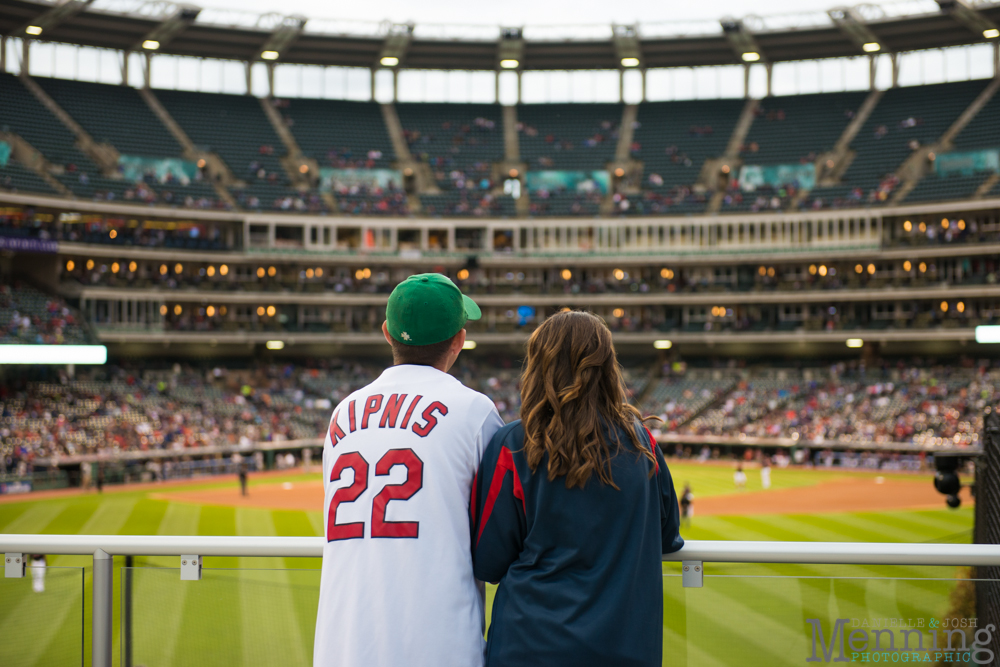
{"x":399,"y":467}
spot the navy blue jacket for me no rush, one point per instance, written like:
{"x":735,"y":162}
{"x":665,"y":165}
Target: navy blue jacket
{"x":581,"y":580}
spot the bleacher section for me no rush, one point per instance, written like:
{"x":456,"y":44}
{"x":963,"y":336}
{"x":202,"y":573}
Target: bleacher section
{"x":16,"y":178}
{"x":797,"y":128}
{"x":568,"y":136}
{"x":339,"y":133}
{"x":903,"y":120}
{"x":114,"y":114}
{"x":461,"y":203}
{"x":940,"y":188}
{"x":460,"y":142}
{"x":29,"y":316}
{"x":24,"y":115}
{"x":673,"y":140}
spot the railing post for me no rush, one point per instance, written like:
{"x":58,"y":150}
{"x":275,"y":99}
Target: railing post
{"x":103,"y":592}
{"x":127,"y":611}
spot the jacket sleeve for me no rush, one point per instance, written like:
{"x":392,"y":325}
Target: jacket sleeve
{"x":670,"y":520}
{"x":501,"y":523}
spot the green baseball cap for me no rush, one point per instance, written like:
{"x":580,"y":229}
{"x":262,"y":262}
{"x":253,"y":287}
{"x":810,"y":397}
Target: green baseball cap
{"x":427,"y":308}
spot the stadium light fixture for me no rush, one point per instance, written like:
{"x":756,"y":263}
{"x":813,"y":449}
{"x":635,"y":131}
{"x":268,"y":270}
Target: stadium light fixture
{"x":389,"y":61}
{"x":663,"y":344}
{"x":991,"y":33}
{"x":151,"y":45}
{"x":469,"y":344}
{"x":53,"y":354}
{"x":988,"y":333}
{"x":630,"y":62}
{"x":269,"y":55}
{"x":275,"y":345}
{"x":509,"y":63}
{"x":33,"y":30}
{"x":855,"y":342}
{"x":751,"y":57}
{"x":871,"y":47}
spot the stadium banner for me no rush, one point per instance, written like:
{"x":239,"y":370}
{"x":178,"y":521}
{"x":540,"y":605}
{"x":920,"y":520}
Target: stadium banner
{"x":752,"y":176}
{"x":333,"y":180}
{"x":29,"y":245}
{"x":967,"y":163}
{"x":4,"y":153}
{"x":163,"y":170}
{"x":573,"y":181}
{"x":19,"y":486}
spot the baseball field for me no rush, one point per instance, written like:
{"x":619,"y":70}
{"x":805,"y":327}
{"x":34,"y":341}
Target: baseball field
{"x":260,"y":611}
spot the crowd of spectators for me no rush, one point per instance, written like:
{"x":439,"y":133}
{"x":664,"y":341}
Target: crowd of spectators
{"x":930,"y":407}
{"x":29,"y":316}
{"x":177,"y":408}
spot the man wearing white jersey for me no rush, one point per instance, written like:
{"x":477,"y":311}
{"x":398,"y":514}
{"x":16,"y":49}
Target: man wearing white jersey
{"x":399,"y":467}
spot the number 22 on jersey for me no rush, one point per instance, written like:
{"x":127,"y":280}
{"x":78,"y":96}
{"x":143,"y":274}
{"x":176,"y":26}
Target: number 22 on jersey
{"x":349,"y":494}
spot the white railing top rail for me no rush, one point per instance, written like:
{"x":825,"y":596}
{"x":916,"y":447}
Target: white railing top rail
{"x":818,"y":553}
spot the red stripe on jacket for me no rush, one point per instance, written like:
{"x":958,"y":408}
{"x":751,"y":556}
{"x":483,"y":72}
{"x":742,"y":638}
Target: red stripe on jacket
{"x":505,"y":464}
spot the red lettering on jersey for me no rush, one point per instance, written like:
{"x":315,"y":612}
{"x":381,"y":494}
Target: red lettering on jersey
{"x":350,"y":414}
{"x":414,"y":482}
{"x":652,"y":446}
{"x":372,"y":405}
{"x":347,"y":494}
{"x":391,"y":412}
{"x":336,"y":433}
{"x":424,"y":429}
{"x":409,"y":411}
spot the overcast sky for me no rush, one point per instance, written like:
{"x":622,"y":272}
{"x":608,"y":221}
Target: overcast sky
{"x":527,"y":12}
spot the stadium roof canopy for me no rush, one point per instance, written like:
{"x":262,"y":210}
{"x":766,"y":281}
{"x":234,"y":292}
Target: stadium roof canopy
{"x":204,"y":33}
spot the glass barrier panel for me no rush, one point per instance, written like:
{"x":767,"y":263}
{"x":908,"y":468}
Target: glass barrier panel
{"x":229,"y":617}
{"x":42,"y":617}
{"x":775,"y":615}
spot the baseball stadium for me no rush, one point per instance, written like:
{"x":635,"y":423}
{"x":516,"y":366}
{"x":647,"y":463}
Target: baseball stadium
{"x":790,"y":223}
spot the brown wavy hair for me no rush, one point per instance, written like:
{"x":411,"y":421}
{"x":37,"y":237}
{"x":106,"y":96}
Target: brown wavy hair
{"x":572,"y":393}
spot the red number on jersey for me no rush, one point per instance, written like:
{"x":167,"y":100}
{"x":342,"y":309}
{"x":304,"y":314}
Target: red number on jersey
{"x":414,"y":482}
{"x":347,"y":531}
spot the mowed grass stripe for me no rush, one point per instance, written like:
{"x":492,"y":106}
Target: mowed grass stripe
{"x":271,"y":630}
{"x":159,"y":595}
{"x":42,"y":617}
{"x":145,"y":518}
{"x":11,"y":511}
{"x":35,"y":518}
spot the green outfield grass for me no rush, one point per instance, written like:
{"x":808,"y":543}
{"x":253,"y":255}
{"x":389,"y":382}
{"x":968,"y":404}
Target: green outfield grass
{"x":262,"y":611}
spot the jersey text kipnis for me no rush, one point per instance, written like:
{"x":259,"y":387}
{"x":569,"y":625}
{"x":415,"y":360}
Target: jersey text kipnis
{"x":377,"y":411}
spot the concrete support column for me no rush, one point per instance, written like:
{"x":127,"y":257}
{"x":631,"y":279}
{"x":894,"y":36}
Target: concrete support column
{"x":642,"y":74}
{"x":3,"y":53}
{"x":248,"y":70}
{"x":872,"y":66}
{"x":147,"y":71}
{"x":518,"y":86}
{"x":996,"y":58}
{"x":124,"y":64}
{"x":769,"y":68}
{"x":270,"y":79}
{"x":395,"y":86}
{"x":371,"y":97}
{"x":894,"y":58}
{"x":746,"y":82}
{"x":25,"y":56}
{"x":496,"y":87}
{"x":621,"y":86}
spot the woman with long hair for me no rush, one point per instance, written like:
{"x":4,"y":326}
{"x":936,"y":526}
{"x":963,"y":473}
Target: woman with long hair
{"x":574,"y":506}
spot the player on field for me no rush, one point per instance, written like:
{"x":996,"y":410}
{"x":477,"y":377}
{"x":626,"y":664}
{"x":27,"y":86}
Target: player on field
{"x":575,"y":507}
{"x":399,"y":466}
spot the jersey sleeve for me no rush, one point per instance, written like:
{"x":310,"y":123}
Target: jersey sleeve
{"x":669,"y":514}
{"x":501,"y":523}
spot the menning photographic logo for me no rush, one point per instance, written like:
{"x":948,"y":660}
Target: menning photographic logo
{"x":896,"y":640}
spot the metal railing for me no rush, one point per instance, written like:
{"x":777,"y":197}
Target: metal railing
{"x":191,"y":549}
